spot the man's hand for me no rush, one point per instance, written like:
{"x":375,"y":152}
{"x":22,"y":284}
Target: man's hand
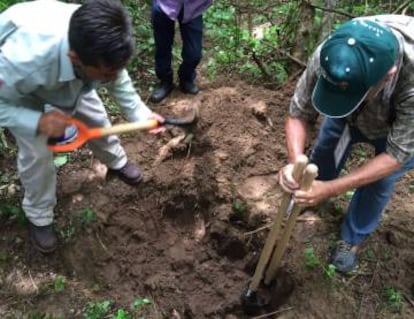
{"x":286,"y":180}
{"x":53,"y":124}
{"x":318,"y":192}
{"x":160,"y":119}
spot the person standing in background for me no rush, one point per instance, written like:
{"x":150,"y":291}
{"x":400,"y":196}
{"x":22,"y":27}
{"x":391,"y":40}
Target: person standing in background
{"x":189,"y":16}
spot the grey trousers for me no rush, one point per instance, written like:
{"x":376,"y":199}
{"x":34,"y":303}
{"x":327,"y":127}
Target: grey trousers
{"x":35,"y":162}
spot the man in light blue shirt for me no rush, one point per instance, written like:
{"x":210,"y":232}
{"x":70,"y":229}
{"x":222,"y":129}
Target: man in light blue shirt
{"x":54,"y":55}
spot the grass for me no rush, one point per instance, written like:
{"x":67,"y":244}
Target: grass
{"x":60,"y":283}
{"x":393,"y":298}
{"x":311,"y":260}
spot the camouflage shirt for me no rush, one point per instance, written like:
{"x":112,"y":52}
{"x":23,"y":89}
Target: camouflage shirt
{"x":391,"y":113}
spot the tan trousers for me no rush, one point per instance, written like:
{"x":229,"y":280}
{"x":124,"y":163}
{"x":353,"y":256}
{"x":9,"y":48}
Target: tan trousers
{"x":35,"y":162}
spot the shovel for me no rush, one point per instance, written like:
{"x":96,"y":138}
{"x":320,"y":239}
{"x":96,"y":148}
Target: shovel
{"x":85,"y":133}
{"x":251,"y":301}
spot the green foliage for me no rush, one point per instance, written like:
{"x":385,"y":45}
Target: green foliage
{"x":97,"y":310}
{"x":87,"y":215}
{"x":122,"y":314}
{"x":236,"y":49}
{"x":311,"y":260}
{"x":329,"y":271}
{"x":348,"y":195}
{"x":139,"y":303}
{"x":393,"y":297}
{"x":13,"y":212}
{"x":143,"y":60}
{"x":61,"y":159}
{"x":4,"y":4}
{"x":59,"y":283}
{"x":238,"y":207}
{"x":67,"y":232}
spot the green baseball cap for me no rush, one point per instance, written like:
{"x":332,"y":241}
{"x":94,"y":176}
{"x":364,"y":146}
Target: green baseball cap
{"x":353,"y":59}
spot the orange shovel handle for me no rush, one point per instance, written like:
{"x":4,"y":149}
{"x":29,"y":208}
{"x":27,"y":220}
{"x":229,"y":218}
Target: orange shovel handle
{"x":85,"y":134}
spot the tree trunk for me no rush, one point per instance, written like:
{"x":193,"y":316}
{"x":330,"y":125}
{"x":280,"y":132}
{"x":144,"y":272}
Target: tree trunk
{"x":303,"y":41}
{"x":328,"y":19}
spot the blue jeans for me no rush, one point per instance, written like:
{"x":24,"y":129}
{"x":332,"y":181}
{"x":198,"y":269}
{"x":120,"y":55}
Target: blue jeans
{"x":369,"y":201}
{"x":191,"y":53}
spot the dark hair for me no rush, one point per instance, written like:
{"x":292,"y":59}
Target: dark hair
{"x":100,"y":33}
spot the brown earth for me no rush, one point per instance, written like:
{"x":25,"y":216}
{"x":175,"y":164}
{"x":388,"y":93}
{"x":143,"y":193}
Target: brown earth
{"x":189,"y":236}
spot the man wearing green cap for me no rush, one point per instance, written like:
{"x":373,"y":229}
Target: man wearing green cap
{"x":361,"y":79}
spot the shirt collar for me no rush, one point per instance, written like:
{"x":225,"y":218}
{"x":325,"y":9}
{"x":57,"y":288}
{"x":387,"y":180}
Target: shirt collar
{"x":66,"y":72}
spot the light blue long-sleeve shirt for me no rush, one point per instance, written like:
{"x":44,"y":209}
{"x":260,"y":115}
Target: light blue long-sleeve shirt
{"x":35,"y":69}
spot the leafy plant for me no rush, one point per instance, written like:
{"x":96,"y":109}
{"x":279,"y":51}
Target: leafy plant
{"x":238,"y":207}
{"x":87,"y":215}
{"x":97,"y":310}
{"x":393,"y":297}
{"x":61,"y":160}
{"x":329,"y":271}
{"x":59,"y":283}
{"x":67,"y":232}
{"x":13,"y":212}
{"x":122,"y":314}
{"x":348,"y":195}
{"x":311,"y":260}
{"x":140,"y":302}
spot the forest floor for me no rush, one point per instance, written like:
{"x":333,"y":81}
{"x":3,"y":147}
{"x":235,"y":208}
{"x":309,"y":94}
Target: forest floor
{"x":184,"y":243}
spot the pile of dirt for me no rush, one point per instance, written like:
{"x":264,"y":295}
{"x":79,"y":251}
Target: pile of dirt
{"x":188,"y":237}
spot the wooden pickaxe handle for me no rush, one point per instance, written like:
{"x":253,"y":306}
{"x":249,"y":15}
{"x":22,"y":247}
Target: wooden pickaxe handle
{"x":309,"y":175}
{"x":298,"y":168}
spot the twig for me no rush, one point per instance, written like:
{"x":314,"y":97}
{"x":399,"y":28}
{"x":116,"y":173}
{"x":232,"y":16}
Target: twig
{"x":365,"y":291}
{"x":330,"y":10}
{"x":257,"y":230}
{"x":272,"y":313}
{"x":100,"y":241}
{"x":3,"y":139}
{"x":260,"y":65}
{"x":408,"y":300}
{"x":33,"y":283}
{"x":402,"y":7}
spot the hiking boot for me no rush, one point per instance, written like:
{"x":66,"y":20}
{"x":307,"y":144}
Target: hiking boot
{"x":345,"y":256}
{"x":189,"y":87}
{"x":43,"y":238}
{"x":161,"y":91}
{"x":130,"y":174}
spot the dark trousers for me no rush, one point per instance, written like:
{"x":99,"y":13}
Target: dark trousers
{"x":368,"y":202}
{"x":191,"y":35}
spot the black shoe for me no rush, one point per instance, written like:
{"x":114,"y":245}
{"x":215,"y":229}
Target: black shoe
{"x":189,"y":87}
{"x":130,"y":174}
{"x":161,"y":91}
{"x":43,"y":238}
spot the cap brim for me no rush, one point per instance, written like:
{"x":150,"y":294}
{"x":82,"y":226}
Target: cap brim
{"x":331,"y":101}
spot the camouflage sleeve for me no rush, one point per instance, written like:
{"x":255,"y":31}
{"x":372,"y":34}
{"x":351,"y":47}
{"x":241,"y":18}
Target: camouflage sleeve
{"x":301,"y":104}
{"x":400,"y":140}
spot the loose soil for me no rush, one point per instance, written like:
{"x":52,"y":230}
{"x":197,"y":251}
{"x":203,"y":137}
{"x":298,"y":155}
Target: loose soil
{"x":189,"y":236}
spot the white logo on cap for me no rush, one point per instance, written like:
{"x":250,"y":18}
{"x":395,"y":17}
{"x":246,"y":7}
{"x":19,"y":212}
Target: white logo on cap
{"x":351,"y":41}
